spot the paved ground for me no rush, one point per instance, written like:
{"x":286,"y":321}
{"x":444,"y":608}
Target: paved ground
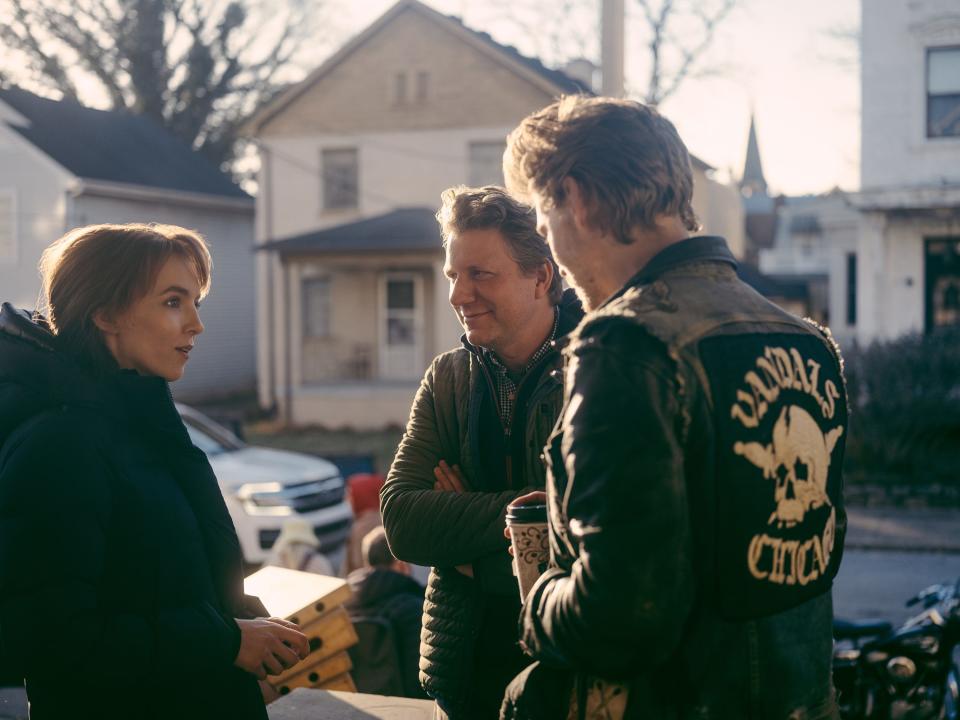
{"x":891,"y":554}
{"x":876,"y":584}
{"x":929,"y":529}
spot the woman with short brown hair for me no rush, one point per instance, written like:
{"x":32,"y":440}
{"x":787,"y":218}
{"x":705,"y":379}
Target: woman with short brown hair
{"x":121,"y":584}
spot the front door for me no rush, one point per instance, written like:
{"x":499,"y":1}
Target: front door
{"x":942,"y":287}
{"x":401,"y":326}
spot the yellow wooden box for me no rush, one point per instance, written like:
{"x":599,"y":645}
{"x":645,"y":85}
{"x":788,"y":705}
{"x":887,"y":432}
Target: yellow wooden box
{"x":313,"y":676}
{"x":300,"y":597}
{"x":328,"y":635}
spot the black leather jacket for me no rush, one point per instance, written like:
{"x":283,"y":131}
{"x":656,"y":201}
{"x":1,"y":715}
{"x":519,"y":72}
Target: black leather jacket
{"x":695,"y":499}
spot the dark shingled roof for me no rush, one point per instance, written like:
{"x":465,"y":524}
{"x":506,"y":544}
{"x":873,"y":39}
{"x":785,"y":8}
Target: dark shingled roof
{"x":115,"y":146}
{"x":399,"y":230}
{"x":559,"y":78}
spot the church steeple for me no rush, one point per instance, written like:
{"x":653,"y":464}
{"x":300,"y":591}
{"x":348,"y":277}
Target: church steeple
{"x":753,"y":182}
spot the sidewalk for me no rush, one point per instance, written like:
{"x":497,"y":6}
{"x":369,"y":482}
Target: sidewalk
{"x":903,"y":529}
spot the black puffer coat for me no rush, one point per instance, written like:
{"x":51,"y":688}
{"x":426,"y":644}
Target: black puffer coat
{"x":120,"y":570}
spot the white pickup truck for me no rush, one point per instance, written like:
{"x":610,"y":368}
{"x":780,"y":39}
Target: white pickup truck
{"x":263,"y":487}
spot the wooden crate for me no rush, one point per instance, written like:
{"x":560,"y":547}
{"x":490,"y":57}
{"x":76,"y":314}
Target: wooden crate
{"x":300,"y":597}
{"x":328,"y":635}
{"x":311,"y":676}
{"x":343,"y":683}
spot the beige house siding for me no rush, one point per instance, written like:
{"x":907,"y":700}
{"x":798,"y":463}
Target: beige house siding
{"x":358,"y":94}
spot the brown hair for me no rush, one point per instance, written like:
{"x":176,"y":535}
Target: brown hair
{"x":490,"y":207}
{"x":627,"y":159}
{"x":108,"y":268}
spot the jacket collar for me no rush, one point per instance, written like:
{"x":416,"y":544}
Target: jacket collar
{"x":20,"y":324}
{"x":570,"y":315}
{"x":702,"y":248}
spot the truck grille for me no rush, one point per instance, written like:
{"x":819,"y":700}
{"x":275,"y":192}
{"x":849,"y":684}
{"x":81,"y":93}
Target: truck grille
{"x":331,"y":536}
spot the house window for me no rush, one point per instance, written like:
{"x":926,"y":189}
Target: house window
{"x":423,"y":84}
{"x":851,"y":288}
{"x":316,"y":307}
{"x":400,"y":312}
{"x":943,"y":92}
{"x":486,"y":163}
{"x":400,"y":88}
{"x":8,"y":226}
{"x":339,"y":169}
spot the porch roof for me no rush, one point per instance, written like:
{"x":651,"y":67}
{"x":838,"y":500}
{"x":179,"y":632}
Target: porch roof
{"x":400,"y":230}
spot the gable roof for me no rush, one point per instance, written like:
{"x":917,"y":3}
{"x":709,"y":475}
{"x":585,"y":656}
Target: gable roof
{"x":400,"y":230}
{"x":115,"y":146}
{"x":554,"y":82}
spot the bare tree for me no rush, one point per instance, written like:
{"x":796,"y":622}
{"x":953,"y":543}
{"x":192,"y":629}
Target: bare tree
{"x":199,"y":67}
{"x":556,"y":32}
{"x":676,"y":35}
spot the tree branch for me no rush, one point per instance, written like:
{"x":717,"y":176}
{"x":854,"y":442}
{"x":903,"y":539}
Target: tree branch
{"x":48,"y":65}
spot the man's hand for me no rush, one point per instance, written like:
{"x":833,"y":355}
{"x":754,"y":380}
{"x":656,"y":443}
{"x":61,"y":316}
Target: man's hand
{"x":448,"y":479}
{"x":268,"y":646}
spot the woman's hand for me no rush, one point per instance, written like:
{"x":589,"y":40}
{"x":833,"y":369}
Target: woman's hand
{"x":268,"y":646}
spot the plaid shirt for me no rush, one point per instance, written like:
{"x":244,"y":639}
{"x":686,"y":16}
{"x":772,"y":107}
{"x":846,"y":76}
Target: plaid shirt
{"x":506,"y":385}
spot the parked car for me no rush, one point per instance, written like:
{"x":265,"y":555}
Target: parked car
{"x":263,"y":487}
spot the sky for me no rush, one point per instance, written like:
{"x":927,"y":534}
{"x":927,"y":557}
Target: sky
{"x":780,"y":59}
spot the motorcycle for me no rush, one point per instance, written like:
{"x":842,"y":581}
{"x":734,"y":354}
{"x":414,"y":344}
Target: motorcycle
{"x":904,"y":673}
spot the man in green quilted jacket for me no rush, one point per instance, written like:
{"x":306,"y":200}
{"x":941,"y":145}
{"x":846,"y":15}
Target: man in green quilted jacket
{"x":473,"y":442}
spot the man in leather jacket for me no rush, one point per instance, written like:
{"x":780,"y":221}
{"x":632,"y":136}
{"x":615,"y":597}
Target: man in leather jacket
{"x":694,"y":479}
{"x":472,"y":445}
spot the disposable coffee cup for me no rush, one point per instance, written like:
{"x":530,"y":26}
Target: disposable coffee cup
{"x":531,"y":550}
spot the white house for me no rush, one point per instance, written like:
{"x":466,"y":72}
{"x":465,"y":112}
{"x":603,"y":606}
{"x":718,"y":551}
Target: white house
{"x":815,"y":242}
{"x":63,"y":165}
{"x":352,"y":299}
{"x":907,"y":267}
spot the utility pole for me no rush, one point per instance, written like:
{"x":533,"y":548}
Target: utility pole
{"x":612,"y":20}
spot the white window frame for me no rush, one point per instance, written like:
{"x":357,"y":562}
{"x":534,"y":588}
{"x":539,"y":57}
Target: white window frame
{"x":928,"y":95}
{"x":10,"y":255}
